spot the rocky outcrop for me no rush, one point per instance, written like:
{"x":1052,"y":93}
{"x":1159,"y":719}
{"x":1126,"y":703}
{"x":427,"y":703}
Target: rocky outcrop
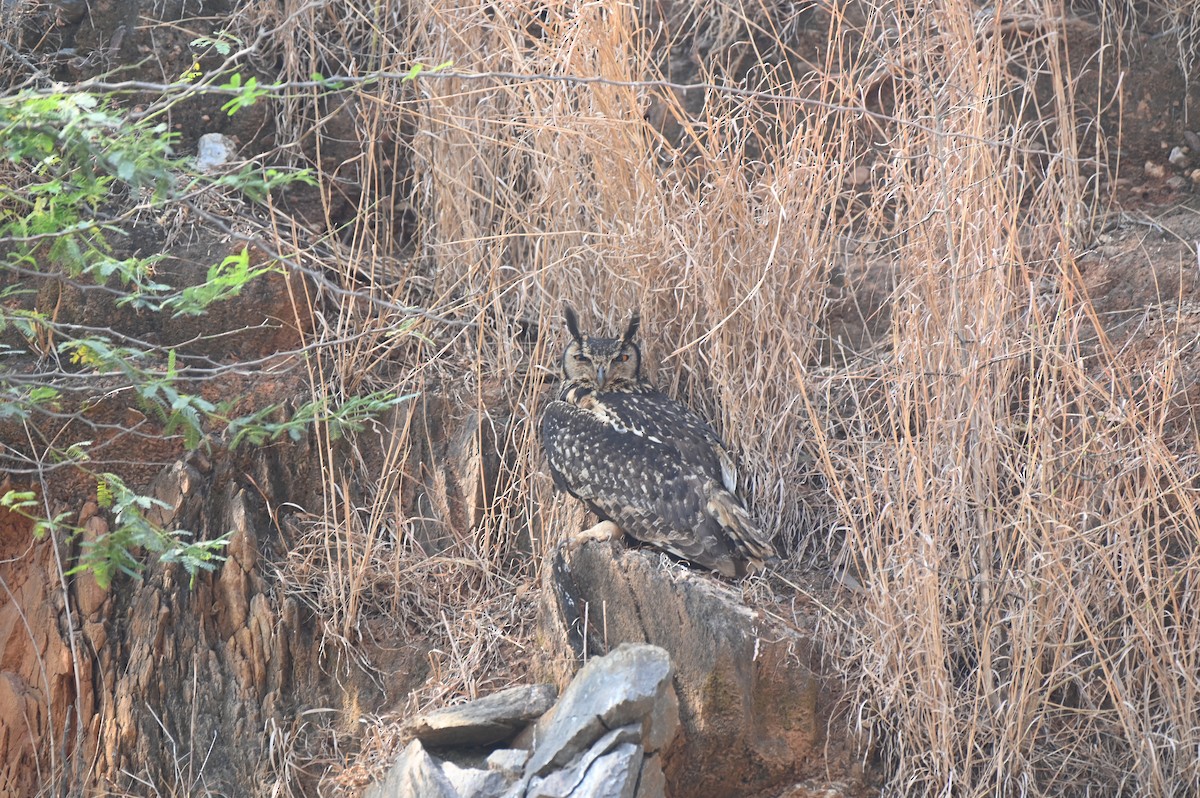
{"x":605,"y":736}
{"x":619,"y":710}
{"x":38,"y":678}
{"x":156,"y":680}
{"x":756,"y":712}
{"x":199,"y":669}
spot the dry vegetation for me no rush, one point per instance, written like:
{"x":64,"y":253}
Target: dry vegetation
{"x":1014,"y":497}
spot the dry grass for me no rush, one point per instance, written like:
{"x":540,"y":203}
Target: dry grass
{"x":1000,"y":480}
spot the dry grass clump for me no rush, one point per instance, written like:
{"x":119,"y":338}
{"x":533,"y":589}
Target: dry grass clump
{"x":1003,"y":485}
{"x":1018,"y":509}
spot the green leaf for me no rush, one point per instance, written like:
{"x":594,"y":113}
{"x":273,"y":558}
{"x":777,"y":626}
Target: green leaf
{"x":225,"y":280}
{"x":18,"y":499}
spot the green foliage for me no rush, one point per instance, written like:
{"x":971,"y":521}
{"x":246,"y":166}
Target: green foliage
{"x":221,"y":41}
{"x":68,"y":156}
{"x":256,"y":429}
{"x":256,"y":182}
{"x":78,"y":152}
{"x":101,"y":354}
{"x":115,"y":551}
{"x":225,"y":280}
{"x":18,"y":403}
{"x":75,"y":150}
{"x":133,"y":533}
{"x":78,"y":145}
{"x":419,"y":69}
{"x":68,"y":159}
{"x":249,"y":93}
{"x":26,"y":503}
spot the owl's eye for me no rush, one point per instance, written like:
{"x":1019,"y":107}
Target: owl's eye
{"x":623,"y":357}
{"x":581,"y":358}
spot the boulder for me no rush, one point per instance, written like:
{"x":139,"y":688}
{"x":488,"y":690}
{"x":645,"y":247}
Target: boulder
{"x":629,"y":687}
{"x":754,"y":709}
{"x":599,"y":741}
{"x":415,"y":775}
{"x":484,"y":721}
{"x":613,"y":774}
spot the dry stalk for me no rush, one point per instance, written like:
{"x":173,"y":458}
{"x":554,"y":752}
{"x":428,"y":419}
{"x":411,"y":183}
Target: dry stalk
{"x":1011,"y":492}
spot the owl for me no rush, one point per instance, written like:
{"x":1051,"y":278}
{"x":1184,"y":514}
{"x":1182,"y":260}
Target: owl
{"x":644,"y":462}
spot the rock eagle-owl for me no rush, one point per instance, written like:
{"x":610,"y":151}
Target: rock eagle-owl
{"x":645,"y":462}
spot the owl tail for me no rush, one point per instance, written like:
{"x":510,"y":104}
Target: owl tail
{"x":747,"y":539}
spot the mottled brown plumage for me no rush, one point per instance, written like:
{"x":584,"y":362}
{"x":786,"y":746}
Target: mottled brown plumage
{"x":644,"y":461}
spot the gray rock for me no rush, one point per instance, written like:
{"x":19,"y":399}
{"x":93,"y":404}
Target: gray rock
{"x":755,"y":712}
{"x":214,"y":150}
{"x":475,"y":783}
{"x":632,"y":685}
{"x":662,"y":723}
{"x":508,"y":761}
{"x":415,"y":775}
{"x":484,"y":721}
{"x":652,"y":783}
{"x":599,"y":773}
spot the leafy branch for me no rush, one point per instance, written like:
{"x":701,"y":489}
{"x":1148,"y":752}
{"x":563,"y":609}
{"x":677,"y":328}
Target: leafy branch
{"x":256,"y":429}
{"x":117,"y":551}
{"x":68,"y":158}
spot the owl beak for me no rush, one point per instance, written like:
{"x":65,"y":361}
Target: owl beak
{"x":600,"y":376}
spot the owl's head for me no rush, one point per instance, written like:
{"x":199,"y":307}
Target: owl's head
{"x":603,"y":364}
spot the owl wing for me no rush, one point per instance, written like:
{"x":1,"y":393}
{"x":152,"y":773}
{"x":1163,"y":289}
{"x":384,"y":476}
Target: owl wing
{"x":659,"y":472}
{"x":658,"y":416}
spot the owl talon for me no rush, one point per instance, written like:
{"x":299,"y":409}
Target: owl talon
{"x":603,"y":531}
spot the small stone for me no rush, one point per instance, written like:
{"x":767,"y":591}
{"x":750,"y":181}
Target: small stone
{"x":1154,"y":170}
{"x":476,"y":783}
{"x":508,"y":761}
{"x":1177,"y":183}
{"x":487,"y":720}
{"x":1179,"y":157}
{"x":1192,"y":139}
{"x":214,"y":150}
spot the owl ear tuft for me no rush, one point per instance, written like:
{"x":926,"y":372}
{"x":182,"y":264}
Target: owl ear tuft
{"x":635,"y":321}
{"x":572,"y":322}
